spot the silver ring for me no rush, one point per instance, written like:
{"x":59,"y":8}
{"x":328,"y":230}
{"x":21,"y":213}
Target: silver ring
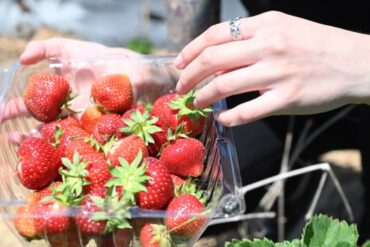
{"x":235,"y":31}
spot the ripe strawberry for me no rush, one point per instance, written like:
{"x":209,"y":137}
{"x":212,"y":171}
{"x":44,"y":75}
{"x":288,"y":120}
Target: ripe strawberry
{"x":69,"y":238}
{"x":159,"y":187}
{"x":24,"y":221}
{"x":153,"y":235}
{"x":51,"y":217}
{"x":119,"y":237}
{"x":113,"y":93}
{"x":98,"y":171}
{"x":49,"y":130}
{"x":83,"y":147}
{"x":68,"y":135}
{"x":184,"y":157}
{"x":152,"y":130}
{"x":90,"y":117}
{"x":127,"y":148}
{"x":44,"y":96}
{"x":36,"y":196}
{"x":107,"y":126}
{"x":184,"y":216}
{"x":38,"y":163}
{"x":175,"y":109}
{"x":86,"y":211}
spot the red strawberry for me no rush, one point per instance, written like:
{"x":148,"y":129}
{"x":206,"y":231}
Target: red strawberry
{"x":153,"y":235}
{"x":175,"y":109}
{"x":90,"y":117}
{"x":51,"y":217}
{"x":113,"y":93}
{"x":69,"y":238}
{"x":68,"y":135}
{"x":44,"y":96}
{"x":98,"y":171}
{"x":86,"y":211}
{"x":38,"y":163}
{"x":49,"y":130}
{"x":184,"y":157}
{"x":184,"y":216}
{"x":36,"y":196}
{"x":159,"y":187}
{"x":82,"y":147}
{"x":152,"y":130}
{"x":107,"y":126}
{"x":127,"y":148}
{"x":119,"y":237}
{"x":24,"y":221}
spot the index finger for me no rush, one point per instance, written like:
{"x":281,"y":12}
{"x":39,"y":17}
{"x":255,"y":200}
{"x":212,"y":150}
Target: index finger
{"x":214,"y":35}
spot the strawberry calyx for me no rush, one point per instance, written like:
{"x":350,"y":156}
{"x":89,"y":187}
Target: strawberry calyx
{"x":57,"y":136}
{"x":70,"y":192}
{"x":160,"y":236}
{"x":173,"y":136}
{"x":190,"y":187}
{"x":185,"y":106}
{"x":90,"y":140}
{"x":131,"y":177}
{"x":114,"y":210}
{"x":142,"y":125}
{"x":66,"y":109}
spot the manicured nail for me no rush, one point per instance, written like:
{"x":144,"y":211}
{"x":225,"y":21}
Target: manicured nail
{"x":179,"y":63}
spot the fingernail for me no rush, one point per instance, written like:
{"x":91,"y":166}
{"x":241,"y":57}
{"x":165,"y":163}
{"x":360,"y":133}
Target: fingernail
{"x":195,"y":103}
{"x":178,"y":87}
{"x":179,"y":63}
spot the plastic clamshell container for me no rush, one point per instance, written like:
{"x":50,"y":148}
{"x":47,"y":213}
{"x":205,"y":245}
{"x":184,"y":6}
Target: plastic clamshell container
{"x":151,"y":77}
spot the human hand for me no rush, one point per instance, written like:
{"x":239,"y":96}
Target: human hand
{"x":298,"y":67}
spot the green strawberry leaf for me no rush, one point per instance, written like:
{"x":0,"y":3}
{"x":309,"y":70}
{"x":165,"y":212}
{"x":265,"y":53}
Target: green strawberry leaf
{"x":366,"y":244}
{"x":324,"y":231}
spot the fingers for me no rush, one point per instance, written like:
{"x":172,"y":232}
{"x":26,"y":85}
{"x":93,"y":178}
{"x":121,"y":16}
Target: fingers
{"x":213,"y":59}
{"x":260,"y":107}
{"x":247,"y":79}
{"x":215,"y":35}
{"x":39,"y":50}
{"x":14,"y":108}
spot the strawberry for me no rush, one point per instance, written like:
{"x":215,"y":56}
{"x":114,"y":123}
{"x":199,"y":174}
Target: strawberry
{"x":107,"y":126}
{"x":119,"y":237}
{"x":36,"y":196}
{"x":98,"y":171}
{"x":113,"y":93}
{"x":24,"y":221}
{"x":38,"y":163}
{"x":51,"y":217}
{"x":159,"y":187}
{"x":90,"y":117}
{"x":153,"y":235}
{"x":184,"y":216}
{"x":67,"y":135}
{"x":176,"y":109}
{"x":184,"y":157}
{"x":44,"y":96}
{"x":69,"y":238}
{"x":151,"y":129}
{"x":49,"y":130}
{"x":82,"y":146}
{"x":127,"y":148}
{"x":85,"y":212}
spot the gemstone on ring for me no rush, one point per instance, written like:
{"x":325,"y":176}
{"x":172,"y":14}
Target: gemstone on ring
{"x":235,"y":31}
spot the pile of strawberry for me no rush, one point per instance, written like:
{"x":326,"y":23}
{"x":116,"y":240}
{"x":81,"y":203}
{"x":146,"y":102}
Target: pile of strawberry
{"x":89,"y":170}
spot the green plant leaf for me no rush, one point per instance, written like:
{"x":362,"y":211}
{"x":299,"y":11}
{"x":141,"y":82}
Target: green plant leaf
{"x":324,"y":231}
{"x":366,"y":244}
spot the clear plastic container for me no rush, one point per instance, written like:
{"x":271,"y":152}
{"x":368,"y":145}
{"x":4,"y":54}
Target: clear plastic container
{"x":151,"y":77}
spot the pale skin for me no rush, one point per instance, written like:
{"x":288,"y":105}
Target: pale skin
{"x":298,"y":66}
